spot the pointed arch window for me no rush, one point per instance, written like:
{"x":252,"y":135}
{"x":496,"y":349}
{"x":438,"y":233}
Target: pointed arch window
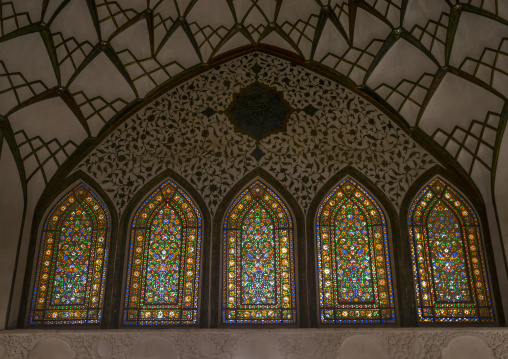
{"x":353,"y":260}
{"x":258,"y":270}
{"x":72,"y":261}
{"x":450,"y":274}
{"x":162,"y":285}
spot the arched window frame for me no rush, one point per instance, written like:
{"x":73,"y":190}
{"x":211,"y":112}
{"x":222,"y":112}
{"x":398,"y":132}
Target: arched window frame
{"x":392,"y":239}
{"x":414,"y":194}
{"x":55,"y":196}
{"x":300,"y":258}
{"x":140,"y":199}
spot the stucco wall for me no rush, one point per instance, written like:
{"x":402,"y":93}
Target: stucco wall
{"x":265,"y":344}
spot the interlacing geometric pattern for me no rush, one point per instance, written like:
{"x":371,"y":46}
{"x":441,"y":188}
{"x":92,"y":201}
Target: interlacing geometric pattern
{"x":449,"y":269}
{"x":354,"y":276}
{"x":258,"y":271}
{"x":164,"y":260}
{"x":72,"y":262}
{"x":138,"y":47}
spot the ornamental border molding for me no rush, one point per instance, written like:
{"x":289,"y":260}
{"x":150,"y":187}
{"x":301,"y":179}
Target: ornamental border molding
{"x":426,"y":343}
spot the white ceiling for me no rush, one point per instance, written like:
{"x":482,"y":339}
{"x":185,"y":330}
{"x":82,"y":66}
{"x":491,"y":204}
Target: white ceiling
{"x":68,"y":67}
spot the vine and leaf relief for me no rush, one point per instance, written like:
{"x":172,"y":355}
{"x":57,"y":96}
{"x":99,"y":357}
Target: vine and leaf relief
{"x":188,"y":130}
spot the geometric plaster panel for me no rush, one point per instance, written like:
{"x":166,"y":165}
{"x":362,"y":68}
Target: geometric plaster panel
{"x":42,"y":156}
{"x":433,"y":36}
{"x":253,"y":17}
{"x":302,"y":33}
{"x":97,"y":111}
{"x":15,"y":16}
{"x":214,"y":13}
{"x":236,"y":41}
{"x":469,"y":42}
{"x":475,"y":143}
{"x":407,"y":97}
{"x":418,"y":12}
{"x":70,"y":55}
{"x":275,"y":39}
{"x":330,"y":41}
{"x":15,"y":89}
{"x":114,"y":14}
{"x":28,"y":55}
{"x":102,"y":78}
{"x":74,"y":21}
{"x":457,"y":102}
{"x":135,"y":38}
{"x":50,"y":9}
{"x":402,"y":61}
{"x":367,"y":28}
{"x":390,"y":9}
{"x":48,"y":119}
{"x":491,"y":67}
{"x":292,"y":11}
{"x":164,"y":15}
{"x":185,"y":56}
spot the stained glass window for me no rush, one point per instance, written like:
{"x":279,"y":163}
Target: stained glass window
{"x":72,"y":261}
{"x":449,"y":269}
{"x":258,"y":275}
{"x":353,"y":261}
{"x":162,"y":284}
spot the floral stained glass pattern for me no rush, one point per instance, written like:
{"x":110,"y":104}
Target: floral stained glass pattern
{"x":353,"y":260}
{"x":72,"y":261}
{"x":258,"y":276}
{"x":164,"y":260}
{"x":449,"y":269}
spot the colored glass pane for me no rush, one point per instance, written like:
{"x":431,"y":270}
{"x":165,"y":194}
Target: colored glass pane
{"x":258,"y":278}
{"x":72,"y":261}
{"x":164,"y":260}
{"x":354,"y":276}
{"x":449,"y":269}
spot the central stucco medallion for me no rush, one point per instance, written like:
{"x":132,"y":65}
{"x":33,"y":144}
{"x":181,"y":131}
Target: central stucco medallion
{"x":258,"y":111}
